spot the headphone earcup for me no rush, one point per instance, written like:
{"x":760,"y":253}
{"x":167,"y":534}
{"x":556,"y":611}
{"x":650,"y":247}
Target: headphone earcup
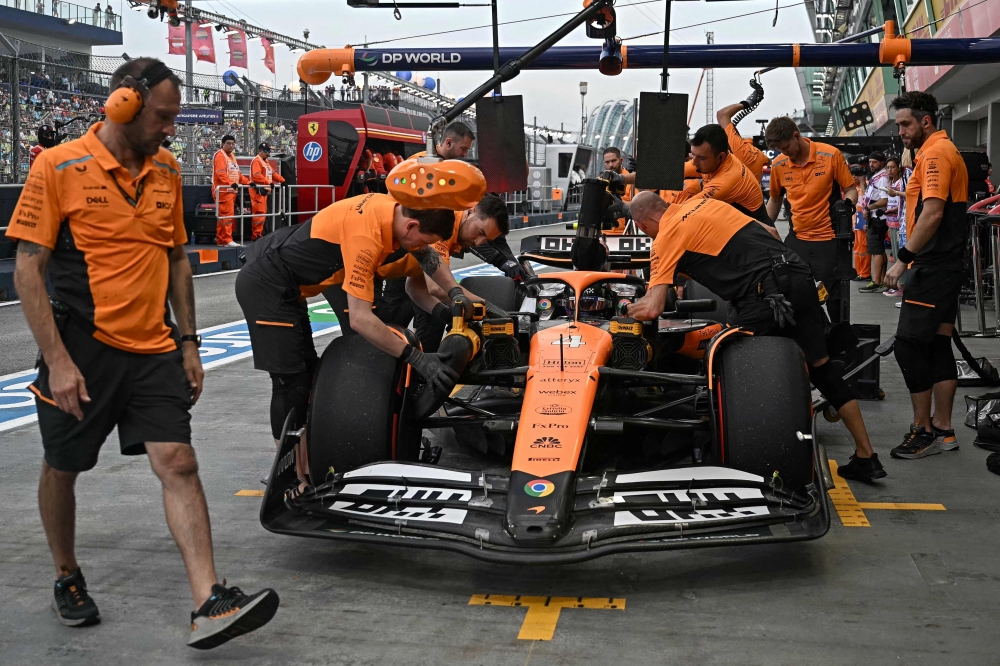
{"x":123,"y":105}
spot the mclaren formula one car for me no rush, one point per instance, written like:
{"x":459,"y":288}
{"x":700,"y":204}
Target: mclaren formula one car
{"x":596,"y":433}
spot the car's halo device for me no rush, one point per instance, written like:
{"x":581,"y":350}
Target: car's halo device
{"x":425,"y":183}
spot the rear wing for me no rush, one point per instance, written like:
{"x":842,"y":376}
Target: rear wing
{"x":624,"y":252}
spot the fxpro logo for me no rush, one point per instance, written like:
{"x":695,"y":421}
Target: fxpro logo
{"x":421,"y":58}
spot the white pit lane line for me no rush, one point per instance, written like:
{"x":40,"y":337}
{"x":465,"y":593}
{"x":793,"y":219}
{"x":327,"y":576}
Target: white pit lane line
{"x":221,"y":345}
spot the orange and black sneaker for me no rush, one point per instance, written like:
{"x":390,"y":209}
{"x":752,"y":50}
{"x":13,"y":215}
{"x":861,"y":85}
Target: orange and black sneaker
{"x":918,"y":443}
{"x":229,"y":613}
{"x":72,"y":604}
{"x":945,"y":439}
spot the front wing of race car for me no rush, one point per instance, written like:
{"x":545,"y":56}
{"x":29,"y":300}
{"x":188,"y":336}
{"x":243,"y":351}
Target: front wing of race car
{"x":428,"y":506}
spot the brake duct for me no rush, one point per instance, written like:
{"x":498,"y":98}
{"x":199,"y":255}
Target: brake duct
{"x":316,"y":66}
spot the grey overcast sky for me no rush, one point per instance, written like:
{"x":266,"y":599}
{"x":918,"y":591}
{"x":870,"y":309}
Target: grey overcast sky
{"x":552,"y":96}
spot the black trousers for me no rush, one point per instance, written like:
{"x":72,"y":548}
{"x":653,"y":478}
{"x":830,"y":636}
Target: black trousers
{"x":821,"y":256}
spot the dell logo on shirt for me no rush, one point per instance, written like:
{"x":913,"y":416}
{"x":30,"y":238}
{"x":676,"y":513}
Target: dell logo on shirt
{"x":312,"y":151}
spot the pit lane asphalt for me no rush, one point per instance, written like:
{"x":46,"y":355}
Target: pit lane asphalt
{"x":917,"y":587}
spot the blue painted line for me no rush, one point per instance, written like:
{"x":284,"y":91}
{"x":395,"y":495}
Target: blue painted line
{"x":220,"y":345}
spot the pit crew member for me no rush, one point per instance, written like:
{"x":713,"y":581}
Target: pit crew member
{"x":110,"y":356}
{"x":263,"y":179}
{"x":743,"y":149}
{"x":936,"y":197}
{"x":811,"y":174}
{"x":723,"y":176}
{"x":770,"y":290}
{"x":226,"y":181}
{"x":344,"y":243}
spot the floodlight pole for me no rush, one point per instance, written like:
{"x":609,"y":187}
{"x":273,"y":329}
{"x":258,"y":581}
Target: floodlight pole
{"x":496,"y":47}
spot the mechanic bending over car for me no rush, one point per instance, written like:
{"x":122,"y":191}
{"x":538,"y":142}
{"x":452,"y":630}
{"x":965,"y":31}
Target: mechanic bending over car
{"x":103,"y":216}
{"x":344,"y":243}
{"x":811,"y":174}
{"x":479,"y":230}
{"x":936,"y":199}
{"x":724,"y":177}
{"x":770,"y":289}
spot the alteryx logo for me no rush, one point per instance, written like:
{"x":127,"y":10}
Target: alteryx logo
{"x":312,"y":151}
{"x":369,"y":59}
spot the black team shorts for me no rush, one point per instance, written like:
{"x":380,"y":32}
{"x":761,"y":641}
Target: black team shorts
{"x":930,"y":299}
{"x":876,"y":232}
{"x":278,"y":321}
{"x":146,"y":396}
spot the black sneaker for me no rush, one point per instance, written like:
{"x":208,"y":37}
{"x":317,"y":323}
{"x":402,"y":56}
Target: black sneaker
{"x":229,"y":613}
{"x":862,"y":469}
{"x":945,"y":439}
{"x":918,"y":444}
{"x":872,"y":288}
{"x":72,"y":604}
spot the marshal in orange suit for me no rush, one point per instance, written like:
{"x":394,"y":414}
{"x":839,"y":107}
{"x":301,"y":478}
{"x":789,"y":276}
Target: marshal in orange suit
{"x":263,"y":178}
{"x":226,"y":175}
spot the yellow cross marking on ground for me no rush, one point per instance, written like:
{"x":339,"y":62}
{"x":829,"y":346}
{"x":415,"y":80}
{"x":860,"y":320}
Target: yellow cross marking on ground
{"x":543,"y":612}
{"x":250,"y":493}
{"x":852,"y":512}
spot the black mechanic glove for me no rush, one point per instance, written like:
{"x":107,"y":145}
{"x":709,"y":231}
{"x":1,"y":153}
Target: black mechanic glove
{"x":755,"y":98}
{"x":456,"y":294}
{"x":513,"y":270}
{"x":616,"y":182}
{"x":784,"y":315}
{"x":843,"y":207}
{"x":442,"y":312}
{"x":440,"y":378}
{"x":630,"y":164}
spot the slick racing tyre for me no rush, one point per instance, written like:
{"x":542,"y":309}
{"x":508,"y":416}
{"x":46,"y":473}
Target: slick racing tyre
{"x":499,"y":290}
{"x":357,"y":413}
{"x":694,"y":291}
{"x":765,"y":405}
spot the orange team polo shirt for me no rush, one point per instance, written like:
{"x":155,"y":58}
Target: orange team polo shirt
{"x":701,"y":226}
{"x":110,"y":236}
{"x":362,"y":227}
{"x":732,"y":183}
{"x":747,"y":153}
{"x":692,"y":186}
{"x":448,"y":246}
{"x":811,"y":187}
{"x":938,"y":173}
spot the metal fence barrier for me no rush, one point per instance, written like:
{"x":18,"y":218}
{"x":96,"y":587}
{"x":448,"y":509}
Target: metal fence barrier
{"x":279,"y":202}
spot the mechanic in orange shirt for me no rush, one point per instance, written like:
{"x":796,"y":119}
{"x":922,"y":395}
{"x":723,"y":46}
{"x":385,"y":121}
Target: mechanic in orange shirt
{"x":455,"y":144}
{"x":345,"y":244}
{"x":103,"y":218}
{"x":263,"y":179}
{"x":226,"y":179}
{"x":817,"y":181}
{"x":936,"y":198}
{"x":770,"y":289}
{"x":749,"y":154}
{"x":724,"y":177}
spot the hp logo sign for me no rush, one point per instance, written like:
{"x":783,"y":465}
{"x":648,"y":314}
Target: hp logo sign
{"x":312,"y":151}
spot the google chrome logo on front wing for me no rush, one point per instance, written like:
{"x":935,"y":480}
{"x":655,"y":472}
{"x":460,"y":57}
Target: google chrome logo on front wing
{"x":539,"y":488}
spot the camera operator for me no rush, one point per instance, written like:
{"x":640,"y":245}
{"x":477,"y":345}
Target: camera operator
{"x":936,"y":199}
{"x":811,"y":174}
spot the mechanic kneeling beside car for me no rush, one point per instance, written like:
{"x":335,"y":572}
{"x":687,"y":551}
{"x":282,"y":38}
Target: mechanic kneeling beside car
{"x":346,"y":243}
{"x":770,"y":289}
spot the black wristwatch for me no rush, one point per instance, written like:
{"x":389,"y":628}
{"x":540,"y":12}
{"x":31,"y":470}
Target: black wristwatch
{"x":196,"y":339}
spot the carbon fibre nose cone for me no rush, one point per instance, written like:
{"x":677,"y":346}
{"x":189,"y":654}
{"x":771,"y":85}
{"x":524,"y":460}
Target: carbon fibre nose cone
{"x":538,"y":509}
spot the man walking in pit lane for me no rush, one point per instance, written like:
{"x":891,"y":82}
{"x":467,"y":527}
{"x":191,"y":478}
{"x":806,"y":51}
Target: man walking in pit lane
{"x":109,"y":354}
{"x":873,"y":203}
{"x":724,"y":177}
{"x":226,"y":181}
{"x":770,"y":289}
{"x":936,"y":199}
{"x":477,"y":230}
{"x":811,"y":174}
{"x":264,"y":181}
{"x":345,"y":243}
